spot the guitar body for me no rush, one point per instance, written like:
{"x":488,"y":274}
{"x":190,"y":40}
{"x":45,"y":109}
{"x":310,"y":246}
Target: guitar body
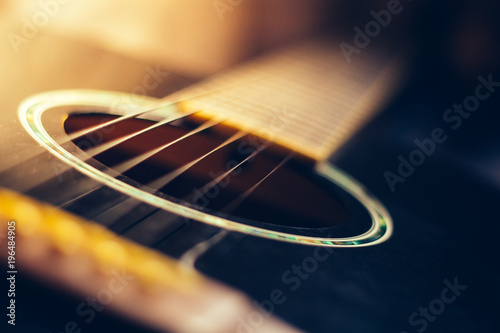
{"x":430,"y":264}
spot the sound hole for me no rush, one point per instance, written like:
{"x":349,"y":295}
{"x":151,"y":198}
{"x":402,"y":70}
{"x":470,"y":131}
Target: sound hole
{"x":250,"y":179}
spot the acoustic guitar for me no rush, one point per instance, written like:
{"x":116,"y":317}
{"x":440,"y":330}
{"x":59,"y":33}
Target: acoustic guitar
{"x":244,"y":203}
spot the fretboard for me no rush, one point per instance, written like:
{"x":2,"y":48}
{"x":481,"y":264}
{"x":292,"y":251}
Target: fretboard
{"x":306,"y":97}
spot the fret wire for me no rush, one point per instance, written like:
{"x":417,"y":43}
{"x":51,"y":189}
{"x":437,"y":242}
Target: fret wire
{"x":167,"y":101}
{"x":99,"y":149}
{"x":347,"y":121}
{"x":34,"y":152}
{"x":138,"y":159}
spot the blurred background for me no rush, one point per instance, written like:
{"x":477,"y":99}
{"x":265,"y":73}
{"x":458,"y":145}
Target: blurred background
{"x":117,"y":44}
{"x":52,"y":44}
{"x":196,"y":38}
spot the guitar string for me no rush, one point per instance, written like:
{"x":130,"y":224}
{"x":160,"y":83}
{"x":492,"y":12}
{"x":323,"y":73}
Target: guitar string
{"x":122,"y":168}
{"x":163,"y":181}
{"x":189,"y":198}
{"x":102,"y":148}
{"x":107,"y":146}
{"x":166,"y":179}
{"x":94,"y":151}
{"x":171,"y":100}
{"x":33,"y":152}
{"x":207,"y":187}
{"x":58,"y":170}
{"x":215,"y":239}
{"x":129,"y":164}
{"x":192,"y":255}
{"x":202,"y":247}
{"x":237,"y":201}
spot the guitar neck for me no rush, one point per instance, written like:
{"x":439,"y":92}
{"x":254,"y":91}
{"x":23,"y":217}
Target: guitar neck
{"x":305,"y":97}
